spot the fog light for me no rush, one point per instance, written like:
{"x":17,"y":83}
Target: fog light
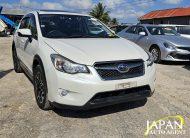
{"x":62,"y":92}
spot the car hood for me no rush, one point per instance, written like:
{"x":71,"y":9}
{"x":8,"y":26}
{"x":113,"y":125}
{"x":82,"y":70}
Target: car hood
{"x":90,"y":50}
{"x":175,"y":40}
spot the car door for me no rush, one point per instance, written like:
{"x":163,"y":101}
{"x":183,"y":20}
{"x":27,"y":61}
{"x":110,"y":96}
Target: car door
{"x":21,"y":41}
{"x":32,"y":44}
{"x":142,"y":40}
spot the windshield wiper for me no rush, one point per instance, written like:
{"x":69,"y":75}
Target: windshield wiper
{"x":81,"y":36}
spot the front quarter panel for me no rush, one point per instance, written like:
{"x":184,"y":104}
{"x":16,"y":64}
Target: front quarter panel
{"x":160,"y":43}
{"x":44,"y":53}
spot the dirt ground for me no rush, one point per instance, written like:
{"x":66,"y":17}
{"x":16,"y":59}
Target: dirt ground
{"x":20,"y":116}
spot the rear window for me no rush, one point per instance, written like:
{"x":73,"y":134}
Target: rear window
{"x":131,"y":30}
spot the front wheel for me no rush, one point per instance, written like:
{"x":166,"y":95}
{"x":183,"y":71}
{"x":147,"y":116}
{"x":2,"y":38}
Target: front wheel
{"x":40,"y":88}
{"x":156,"y":54}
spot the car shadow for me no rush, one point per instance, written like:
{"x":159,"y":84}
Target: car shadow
{"x":99,"y":111}
{"x":175,"y":63}
{"x":3,"y":73}
{"x":187,"y":67}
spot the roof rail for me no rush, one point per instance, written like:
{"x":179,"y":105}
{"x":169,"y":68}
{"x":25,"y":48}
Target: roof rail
{"x":54,"y":11}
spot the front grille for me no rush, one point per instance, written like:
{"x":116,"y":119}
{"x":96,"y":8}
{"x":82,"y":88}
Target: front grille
{"x":182,"y":57}
{"x":126,"y":94}
{"x":184,"y":48}
{"x":109,"y":70}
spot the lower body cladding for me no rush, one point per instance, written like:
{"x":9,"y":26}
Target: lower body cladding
{"x":180,"y":54}
{"x":89,"y":91}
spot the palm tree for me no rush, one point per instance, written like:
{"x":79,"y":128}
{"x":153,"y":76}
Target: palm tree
{"x":100,"y":12}
{"x":114,"y":21}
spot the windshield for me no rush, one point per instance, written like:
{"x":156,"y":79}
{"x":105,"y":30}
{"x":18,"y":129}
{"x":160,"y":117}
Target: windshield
{"x":161,"y":30}
{"x":73,"y":26}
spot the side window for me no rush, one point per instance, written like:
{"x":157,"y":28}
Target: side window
{"x":183,"y":30}
{"x":131,"y":30}
{"x":32,"y":27}
{"x":141,"y":29}
{"x":24,"y":23}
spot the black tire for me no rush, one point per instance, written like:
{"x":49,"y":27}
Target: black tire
{"x":142,"y":102}
{"x":16,"y":62}
{"x":155,"y":51}
{"x":40,"y":88}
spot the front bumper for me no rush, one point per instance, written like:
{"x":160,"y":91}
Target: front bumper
{"x":175,"y":55}
{"x":113,"y":97}
{"x":84,"y":87}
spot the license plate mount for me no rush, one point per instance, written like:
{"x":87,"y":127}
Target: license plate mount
{"x":126,"y":85}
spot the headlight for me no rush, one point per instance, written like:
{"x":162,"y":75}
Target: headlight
{"x":65,"y":65}
{"x":169,"y":46}
{"x":150,"y":59}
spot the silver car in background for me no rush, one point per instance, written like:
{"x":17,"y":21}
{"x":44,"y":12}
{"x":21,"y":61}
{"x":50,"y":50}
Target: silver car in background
{"x":163,"y":43}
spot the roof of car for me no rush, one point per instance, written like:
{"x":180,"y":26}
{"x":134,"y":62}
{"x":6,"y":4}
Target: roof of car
{"x":146,"y":25}
{"x":60,"y":12}
{"x":172,"y":25}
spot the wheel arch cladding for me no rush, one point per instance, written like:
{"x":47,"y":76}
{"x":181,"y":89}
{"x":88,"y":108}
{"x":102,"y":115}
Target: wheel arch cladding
{"x":37,"y":61}
{"x":13,"y":45}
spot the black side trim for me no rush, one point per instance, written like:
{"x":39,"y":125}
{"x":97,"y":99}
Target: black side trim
{"x":27,"y":72}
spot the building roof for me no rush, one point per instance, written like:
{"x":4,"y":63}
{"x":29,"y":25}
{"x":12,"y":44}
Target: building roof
{"x":176,"y":12}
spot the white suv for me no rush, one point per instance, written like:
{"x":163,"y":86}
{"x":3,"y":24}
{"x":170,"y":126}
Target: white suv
{"x":75,"y":60}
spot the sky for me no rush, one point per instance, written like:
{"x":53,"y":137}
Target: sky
{"x":126,"y":11}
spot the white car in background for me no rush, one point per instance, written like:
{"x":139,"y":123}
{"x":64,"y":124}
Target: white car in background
{"x":75,"y":60}
{"x":183,"y":30}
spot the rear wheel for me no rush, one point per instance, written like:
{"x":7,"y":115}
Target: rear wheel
{"x":16,"y":62}
{"x":155,"y":51}
{"x":40,"y":88}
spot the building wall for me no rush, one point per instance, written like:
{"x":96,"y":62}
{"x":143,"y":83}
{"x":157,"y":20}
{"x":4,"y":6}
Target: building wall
{"x":172,"y":20}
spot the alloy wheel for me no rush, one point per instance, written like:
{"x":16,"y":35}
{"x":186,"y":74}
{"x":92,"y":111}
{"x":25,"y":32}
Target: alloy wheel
{"x":155,"y":54}
{"x":40,"y":88}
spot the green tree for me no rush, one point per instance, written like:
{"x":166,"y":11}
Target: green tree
{"x":100,"y":12}
{"x":114,"y":21}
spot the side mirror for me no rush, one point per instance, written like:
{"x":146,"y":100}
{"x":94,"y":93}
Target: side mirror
{"x":142,"y":33}
{"x":24,"y":33}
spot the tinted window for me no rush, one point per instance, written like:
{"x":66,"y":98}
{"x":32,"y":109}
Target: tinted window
{"x":73,"y":26}
{"x":157,"y":30}
{"x":32,"y":26}
{"x":24,"y":23}
{"x":118,"y":28}
{"x":183,"y":29}
{"x":131,"y":30}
